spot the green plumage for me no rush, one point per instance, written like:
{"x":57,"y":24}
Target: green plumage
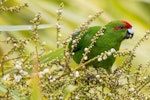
{"x":112,"y":38}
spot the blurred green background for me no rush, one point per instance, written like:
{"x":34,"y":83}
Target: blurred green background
{"x":75,"y":12}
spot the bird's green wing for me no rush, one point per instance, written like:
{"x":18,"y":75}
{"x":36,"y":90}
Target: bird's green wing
{"x":84,"y":42}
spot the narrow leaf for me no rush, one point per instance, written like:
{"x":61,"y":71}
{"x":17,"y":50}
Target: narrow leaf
{"x":68,"y":90}
{"x":24,"y":27}
{"x":53,"y":55}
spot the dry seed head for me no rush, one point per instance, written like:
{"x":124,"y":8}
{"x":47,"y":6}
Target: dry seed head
{"x":9,"y":38}
{"x":101,"y":56}
{"x":102,"y":33}
{"x":93,"y":40}
{"x":18,"y":66}
{"x":74,"y":41}
{"x":77,"y":97}
{"x":100,"y":59}
{"x":100,"y":80}
{"x":60,"y":68}
{"x":58,"y":42}
{"x":27,"y":41}
{"x":84,"y":26}
{"x":59,"y":11}
{"x":5,"y":57}
{"x":97,"y":76}
{"x":59,"y":35}
{"x":52,"y":80}
{"x":104,"y":57}
{"x":145,"y":77}
{"x":71,"y":74}
{"x":13,"y":8}
{"x":5,"y":77}
{"x":122,"y":83}
{"x":72,"y":53}
{"x":46,"y":70}
{"x":85,"y":49}
{"x":90,"y":16}
{"x":109,"y":53}
{"x":67,"y":53}
{"x":141,"y":40}
{"x":112,"y":50}
{"x":17,"y":78}
{"x":76,"y":74}
{"x":146,"y":37}
{"x":132,"y":99}
{"x":72,"y":46}
{"x":15,"y":44}
{"x":67,"y":40}
{"x":85,"y":57}
{"x":131,"y":89}
{"x":58,"y":25}
{"x":2,"y":1}
{"x":43,"y":43}
{"x":24,"y":73}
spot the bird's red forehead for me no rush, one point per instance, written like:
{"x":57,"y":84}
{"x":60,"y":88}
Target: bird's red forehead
{"x":128,"y":25}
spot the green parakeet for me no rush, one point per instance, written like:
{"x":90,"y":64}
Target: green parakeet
{"x":115,"y":32}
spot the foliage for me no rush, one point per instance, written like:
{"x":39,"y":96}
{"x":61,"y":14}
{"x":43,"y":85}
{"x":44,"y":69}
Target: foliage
{"x":44,"y":74}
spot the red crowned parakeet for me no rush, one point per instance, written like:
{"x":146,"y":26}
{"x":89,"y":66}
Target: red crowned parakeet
{"x":114,"y":33}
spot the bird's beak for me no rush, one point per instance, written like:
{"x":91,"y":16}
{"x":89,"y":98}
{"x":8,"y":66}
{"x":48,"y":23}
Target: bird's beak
{"x":129,"y":33}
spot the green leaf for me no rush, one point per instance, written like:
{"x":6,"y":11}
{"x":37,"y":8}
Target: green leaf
{"x":3,"y":89}
{"x":53,"y":55}
{"x":36,"y":93}
{"x":68,"y":90}
{"x":15,"y":95}
{"x":24,"y":27}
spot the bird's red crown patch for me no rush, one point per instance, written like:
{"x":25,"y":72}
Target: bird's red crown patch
{"x":128,"y":25}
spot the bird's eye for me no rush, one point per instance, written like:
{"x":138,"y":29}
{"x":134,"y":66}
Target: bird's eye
{"x":121,"y":27}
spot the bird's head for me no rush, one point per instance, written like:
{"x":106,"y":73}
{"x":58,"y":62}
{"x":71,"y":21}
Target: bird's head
{"x":121,"y":28}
